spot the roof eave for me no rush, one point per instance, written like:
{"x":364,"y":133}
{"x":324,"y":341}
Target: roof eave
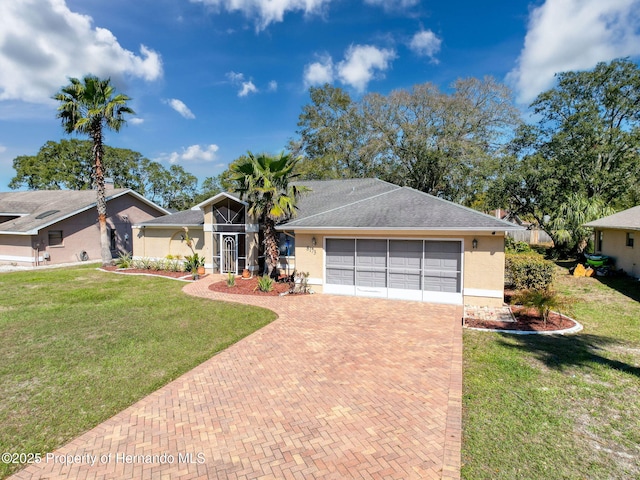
{"x":404,"y":229}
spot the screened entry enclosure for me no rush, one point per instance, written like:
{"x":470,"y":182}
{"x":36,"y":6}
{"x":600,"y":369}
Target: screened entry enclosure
{"x":425,"y":270}
{"x":229,"y":236}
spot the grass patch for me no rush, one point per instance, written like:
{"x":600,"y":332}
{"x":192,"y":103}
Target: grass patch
{"x":78,"y":345}
{"x":562,"y":406}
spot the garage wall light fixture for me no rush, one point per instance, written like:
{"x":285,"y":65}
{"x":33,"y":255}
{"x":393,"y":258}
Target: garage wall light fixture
{"x":313,"y":242}
{"x":474,"y":244}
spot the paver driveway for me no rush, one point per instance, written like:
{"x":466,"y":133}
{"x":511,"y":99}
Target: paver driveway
{"x":336,"y":387}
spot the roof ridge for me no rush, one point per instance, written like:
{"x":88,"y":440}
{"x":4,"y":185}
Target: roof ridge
{"x":458,"y":205}
{"x":366,"y":199}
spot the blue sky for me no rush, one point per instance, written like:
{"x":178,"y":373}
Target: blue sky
{"x":211,"y":79}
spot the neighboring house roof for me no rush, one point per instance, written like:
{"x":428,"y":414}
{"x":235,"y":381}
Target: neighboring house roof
{"x":625,"y":220}
{"x":186,"y":218}
{"x":371,"y":204}
{"x":38,"y":209}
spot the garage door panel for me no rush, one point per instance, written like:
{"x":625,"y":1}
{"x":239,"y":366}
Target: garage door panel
{"x":405,"y":254}
{"x":340,"y":252}
{"x":405,"y":281}
{"x":367,"y":278}
{"x":371,"y":253}
{"x":340,"y":276}
{"x":441,"y":284}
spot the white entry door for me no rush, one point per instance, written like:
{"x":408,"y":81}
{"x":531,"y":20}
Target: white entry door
{"x":229,"y":253}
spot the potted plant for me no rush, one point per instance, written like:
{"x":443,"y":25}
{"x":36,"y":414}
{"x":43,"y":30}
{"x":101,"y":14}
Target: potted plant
{"x":194,"y":264}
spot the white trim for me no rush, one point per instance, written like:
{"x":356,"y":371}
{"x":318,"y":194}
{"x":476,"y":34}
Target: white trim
{"x":442,"y":297}
{"x":479,"y":292}
{"x":252,"y":227}
{"x":314,"y":281}
{"x":215,"y":198}
{"x":339,"y":289}
{"x":207,"y":227}
{"x":19,"y":258}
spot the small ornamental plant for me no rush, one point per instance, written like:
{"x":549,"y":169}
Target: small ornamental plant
{"x":231,"y":280}
{"x":265,"y":284}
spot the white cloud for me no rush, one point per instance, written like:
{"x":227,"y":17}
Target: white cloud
{"x":246,"y":87}
{"x":180,"y":107}
{"x":235,"y":77}
{"x":566,"y":35}
{"x":266,"y":12}
{"x":42,"y":43}
{"x":273,"y":86}
{"x":393,"y":4}
{"x":426,"y":43}
{"x":361,"y":64}
{"x":136,"y":121}
{"x":319,"y":73}
{"x":193,"y":154}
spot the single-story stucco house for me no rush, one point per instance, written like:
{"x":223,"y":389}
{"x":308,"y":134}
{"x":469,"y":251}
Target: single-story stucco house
{"x":362,"y":237}
{"x":615,"y":237}
{"x":48,"y":227}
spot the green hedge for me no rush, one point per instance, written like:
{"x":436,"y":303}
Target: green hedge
{"x":528,"y":271}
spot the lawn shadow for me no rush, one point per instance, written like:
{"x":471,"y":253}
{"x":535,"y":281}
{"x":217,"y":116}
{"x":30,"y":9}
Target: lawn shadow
{"x":561,"y":351}
{"x":624,"y":284}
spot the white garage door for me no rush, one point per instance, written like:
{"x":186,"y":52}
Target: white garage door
{"x":426,"y":270}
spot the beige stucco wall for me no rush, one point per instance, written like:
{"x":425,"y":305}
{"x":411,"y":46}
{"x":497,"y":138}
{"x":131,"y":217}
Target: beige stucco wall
{"x":614,"y":245}
{"x":159,"y":242}
{"x":80,"y":233}
{"x":483,"y":268}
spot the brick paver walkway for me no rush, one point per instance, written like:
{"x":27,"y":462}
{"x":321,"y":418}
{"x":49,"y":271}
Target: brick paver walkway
{"x":336,"y":387}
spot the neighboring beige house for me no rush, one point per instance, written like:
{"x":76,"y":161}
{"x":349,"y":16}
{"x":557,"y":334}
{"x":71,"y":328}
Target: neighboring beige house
{"x":48,"y":227}
{"x":362,"y":237}
{"x":615,"y":237}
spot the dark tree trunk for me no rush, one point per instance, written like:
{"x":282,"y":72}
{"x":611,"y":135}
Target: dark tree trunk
{"x":271,"y":250}
{"x":101,"y":201}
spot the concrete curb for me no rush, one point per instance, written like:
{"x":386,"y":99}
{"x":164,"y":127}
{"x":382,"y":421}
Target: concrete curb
{"x":575,"y":329}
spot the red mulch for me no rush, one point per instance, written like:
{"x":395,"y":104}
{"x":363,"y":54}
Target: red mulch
{"x":527,"y":320}
{"x":159,"y":273}
{"x":248,"y":287}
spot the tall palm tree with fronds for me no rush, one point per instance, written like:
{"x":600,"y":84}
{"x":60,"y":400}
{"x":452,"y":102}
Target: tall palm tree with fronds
{"x":263,"y":181}
{"x":88,"y":107}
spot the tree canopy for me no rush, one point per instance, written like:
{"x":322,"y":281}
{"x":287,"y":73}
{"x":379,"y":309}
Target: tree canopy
{"x":440,"y":143}
{"x":583,"y":151}
{"x":263,"y":181}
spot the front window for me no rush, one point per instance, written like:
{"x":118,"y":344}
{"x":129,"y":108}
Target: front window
{"x":113,"y":239}
{"x":599,"y":239}
{"x":287,"y":245}
{"x":630,"y":239}
{"x":55,"y":238}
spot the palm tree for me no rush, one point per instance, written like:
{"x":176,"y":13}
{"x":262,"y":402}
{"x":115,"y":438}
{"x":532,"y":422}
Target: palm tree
{"x":263,"y":182}
{"x":87,"y":107}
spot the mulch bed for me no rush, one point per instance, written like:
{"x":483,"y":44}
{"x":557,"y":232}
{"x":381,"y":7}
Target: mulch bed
{"x":248,"y":286}
{"x":527,"y":320}
{"x":159,"y":273}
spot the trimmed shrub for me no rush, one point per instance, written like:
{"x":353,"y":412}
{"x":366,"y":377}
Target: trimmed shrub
{"x":530,"y":271}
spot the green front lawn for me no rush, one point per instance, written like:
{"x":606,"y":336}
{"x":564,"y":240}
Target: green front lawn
{"x":78,"y":345}
{"x":558,"y":407}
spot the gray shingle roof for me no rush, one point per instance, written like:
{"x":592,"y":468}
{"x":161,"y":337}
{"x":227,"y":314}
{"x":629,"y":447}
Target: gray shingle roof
{"x":625,"y":220}
{"x":373,"y":204}
{"x":186,"y":218}
{"x":51,"y":206}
